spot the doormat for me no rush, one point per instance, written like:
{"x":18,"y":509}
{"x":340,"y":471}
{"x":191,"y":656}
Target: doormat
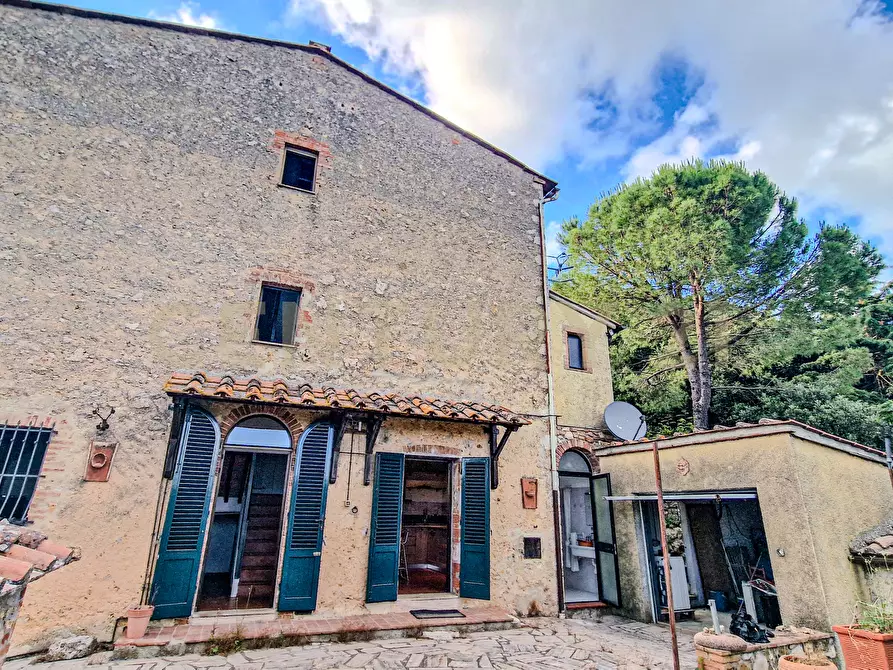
{"x":437,"y":614}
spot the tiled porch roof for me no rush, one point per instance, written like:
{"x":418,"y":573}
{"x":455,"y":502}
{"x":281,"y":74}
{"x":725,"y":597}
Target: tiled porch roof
{"x":304,"y":395}
{"x":26,"y":555}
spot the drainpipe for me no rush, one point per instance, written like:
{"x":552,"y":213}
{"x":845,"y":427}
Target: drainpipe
{"x":553,"y":424}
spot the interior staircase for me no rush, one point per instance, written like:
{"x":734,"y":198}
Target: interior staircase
{"x":257,"y":578}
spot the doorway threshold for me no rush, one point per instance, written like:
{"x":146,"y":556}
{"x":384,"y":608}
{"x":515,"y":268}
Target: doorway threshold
{"x":585,"y":605}
{"x":261,"y":614}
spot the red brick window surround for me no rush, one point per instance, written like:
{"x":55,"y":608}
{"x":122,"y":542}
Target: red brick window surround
{"x":302,"y":161}
{"x":299,"y":169}
{"x":573,"y":338}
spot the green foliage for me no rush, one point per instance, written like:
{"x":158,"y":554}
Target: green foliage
{"x":876,"y":616}
{"x":788,"y":325}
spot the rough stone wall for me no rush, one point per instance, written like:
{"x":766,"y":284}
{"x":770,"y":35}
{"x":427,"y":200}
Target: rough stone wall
{"x":767,"y":656}
{"x":10,"y":602}
{"x":806,"y":497}
{"x":580,"y":395}
{"x":139,"y":213}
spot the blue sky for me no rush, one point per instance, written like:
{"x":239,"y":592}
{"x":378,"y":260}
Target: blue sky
{"x":595,"y":92}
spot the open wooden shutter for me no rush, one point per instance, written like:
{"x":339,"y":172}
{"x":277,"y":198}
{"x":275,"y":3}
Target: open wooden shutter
{"x":474,"y":571}
{"x":179,"y":556}
{"x":384,"y":538}
{"x":605,"y":541}
{"x":303,"y":545}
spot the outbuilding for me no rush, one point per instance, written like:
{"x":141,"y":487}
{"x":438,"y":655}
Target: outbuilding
{"x":758,"y":513}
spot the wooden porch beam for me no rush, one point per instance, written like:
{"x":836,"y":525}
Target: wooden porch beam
{"x":373,"y":425}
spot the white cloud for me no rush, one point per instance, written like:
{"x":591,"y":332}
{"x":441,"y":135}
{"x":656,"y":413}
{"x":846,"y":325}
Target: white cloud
{"x":803,"y":89}
{"x":189,"y":14}
{"x":553,"y":247}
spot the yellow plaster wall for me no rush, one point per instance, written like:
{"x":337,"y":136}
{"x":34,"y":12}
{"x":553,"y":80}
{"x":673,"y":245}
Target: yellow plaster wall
{"x":844,"y":496}
{"x":814,"y":500}
{"x":580,"y":395}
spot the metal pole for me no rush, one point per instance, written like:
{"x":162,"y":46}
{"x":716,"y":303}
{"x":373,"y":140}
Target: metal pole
{"x":671,"y":613}
{"x":889,"y":451}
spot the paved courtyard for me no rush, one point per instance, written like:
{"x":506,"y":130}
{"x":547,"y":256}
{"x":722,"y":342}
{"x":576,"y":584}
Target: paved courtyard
{"x":610,"y":644}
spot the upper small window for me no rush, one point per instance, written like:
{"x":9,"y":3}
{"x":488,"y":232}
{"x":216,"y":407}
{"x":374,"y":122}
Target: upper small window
{"x":299,"y":169}
{"x":277,"y":315}
{"x":574,"y":351}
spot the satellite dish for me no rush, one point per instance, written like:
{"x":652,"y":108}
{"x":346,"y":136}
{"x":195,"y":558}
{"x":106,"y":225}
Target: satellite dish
{"x":625,"y":421}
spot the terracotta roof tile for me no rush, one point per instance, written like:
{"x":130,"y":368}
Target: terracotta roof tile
{"x":26,"y":555}
{"x":280,"y":391}
{"x":875,"y":543}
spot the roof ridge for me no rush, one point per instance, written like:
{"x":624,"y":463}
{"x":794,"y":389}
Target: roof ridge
{"x":548,"y":184}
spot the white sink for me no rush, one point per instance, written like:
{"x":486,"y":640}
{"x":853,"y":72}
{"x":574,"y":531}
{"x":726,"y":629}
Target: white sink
{"x":582,"y":552}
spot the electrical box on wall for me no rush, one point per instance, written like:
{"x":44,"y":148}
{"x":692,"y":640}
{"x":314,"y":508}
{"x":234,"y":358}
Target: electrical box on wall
{"x":528,"y":492}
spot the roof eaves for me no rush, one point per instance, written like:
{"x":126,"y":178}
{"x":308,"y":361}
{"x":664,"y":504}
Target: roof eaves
{"x":585,"y":311}
{"x":746,"y":430}
{"x":548,"y":184}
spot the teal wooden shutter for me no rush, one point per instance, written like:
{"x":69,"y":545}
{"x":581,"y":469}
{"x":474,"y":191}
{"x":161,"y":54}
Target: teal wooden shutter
{"x":474,"y":569}
{"x":384,"y":537}
{"x":605,"y":541}
{"x":303,"y":545}
{"x":179,"y":556}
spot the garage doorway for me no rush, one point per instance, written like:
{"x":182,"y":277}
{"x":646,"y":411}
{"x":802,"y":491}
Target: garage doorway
{"x":718,"y":551}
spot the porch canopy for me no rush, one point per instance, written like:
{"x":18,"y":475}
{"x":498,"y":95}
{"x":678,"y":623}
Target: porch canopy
{"x":372,"y":407}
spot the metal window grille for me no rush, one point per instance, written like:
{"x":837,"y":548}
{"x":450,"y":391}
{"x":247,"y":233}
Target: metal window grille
{"x":22,"y":450}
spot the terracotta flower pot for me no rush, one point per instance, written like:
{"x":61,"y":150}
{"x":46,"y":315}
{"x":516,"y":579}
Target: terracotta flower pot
{"x":138,"y":621}
{"x":864,"y":650}
{"x":797,"y":662}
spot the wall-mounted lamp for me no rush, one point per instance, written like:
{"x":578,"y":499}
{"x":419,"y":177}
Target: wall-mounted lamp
{"x":103,"y":424}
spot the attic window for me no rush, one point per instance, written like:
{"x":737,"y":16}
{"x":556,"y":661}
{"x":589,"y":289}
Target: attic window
{"x":299,"y":169}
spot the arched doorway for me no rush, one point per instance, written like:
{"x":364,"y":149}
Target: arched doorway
{"x":587,"y":534}
{"x":242,"y":554}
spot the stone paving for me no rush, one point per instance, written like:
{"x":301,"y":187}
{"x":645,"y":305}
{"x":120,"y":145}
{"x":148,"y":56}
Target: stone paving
{"x":610,"y":644}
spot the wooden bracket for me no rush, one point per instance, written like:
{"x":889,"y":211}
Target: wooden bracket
{"x":173,"y":441}
{"x":373,"y":425}
{"x":339,"y":423}
{"x":497,"y":444}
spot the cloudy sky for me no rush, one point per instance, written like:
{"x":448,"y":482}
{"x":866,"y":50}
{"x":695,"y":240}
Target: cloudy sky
{"x":595,"y":92}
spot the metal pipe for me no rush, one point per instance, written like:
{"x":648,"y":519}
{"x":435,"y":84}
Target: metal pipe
{"x":553,"y":423}
{"x":671,"y":613}
{"x":889,"y":450}
{"x":714,"y":615}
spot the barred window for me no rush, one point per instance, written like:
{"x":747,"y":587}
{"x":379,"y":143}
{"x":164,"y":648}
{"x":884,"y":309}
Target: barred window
{"x":22,"y":450}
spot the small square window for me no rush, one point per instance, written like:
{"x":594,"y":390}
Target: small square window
{"x":277,"y":315}
{"x":574,"y":351}
{"x":299,"y":169}
{"x":533,"y":547}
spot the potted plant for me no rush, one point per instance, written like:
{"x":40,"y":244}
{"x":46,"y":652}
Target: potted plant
{"x":138,"y":621}
{"x":797,"y":662}
{"x":868,"y":643}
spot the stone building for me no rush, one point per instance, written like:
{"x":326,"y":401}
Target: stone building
{"x":317,"y":309}
{"x":584,"y":525}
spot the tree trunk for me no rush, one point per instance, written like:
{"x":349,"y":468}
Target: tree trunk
{"x":701,"y":407}
{"x":689,"y":360}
